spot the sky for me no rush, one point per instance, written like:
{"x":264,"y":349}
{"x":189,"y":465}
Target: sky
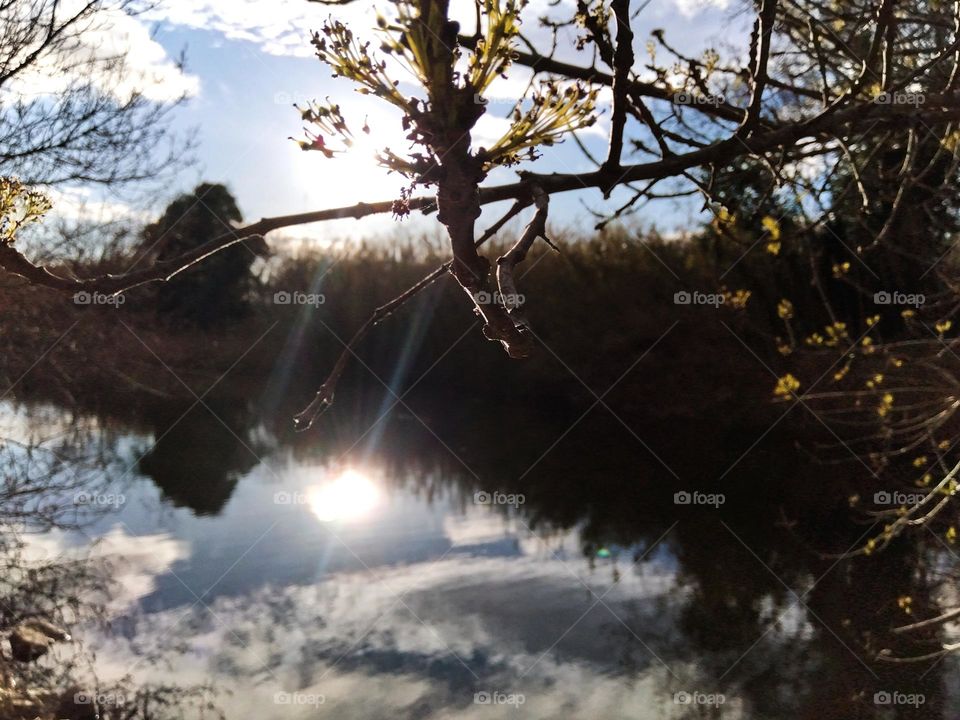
{"x":248,"y":61}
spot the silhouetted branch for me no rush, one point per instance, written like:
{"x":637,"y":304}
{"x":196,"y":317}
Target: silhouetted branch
{"x":325,"y":395}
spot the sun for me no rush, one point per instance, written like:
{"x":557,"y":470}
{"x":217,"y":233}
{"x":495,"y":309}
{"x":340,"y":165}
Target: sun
{"x":351,"y":175}
{"x":350,"y":497}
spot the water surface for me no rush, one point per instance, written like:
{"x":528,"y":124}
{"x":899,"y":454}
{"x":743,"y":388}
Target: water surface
{"x":407,"y":575}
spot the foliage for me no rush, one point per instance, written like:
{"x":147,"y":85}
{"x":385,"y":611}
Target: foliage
{"x":19,"y":207}
{"x":421,"y":40}
{"x":217,"y":289}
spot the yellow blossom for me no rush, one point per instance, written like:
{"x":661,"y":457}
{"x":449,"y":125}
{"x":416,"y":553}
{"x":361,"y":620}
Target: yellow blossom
{"x":737,"y":299}
{"x":786,"y":386}
{"x":836,"y":333}
{"x":725,"y":218}
{"x":772,"y":227}
{"x":951,"y":141}
{"x":886,"y":403}
{"x":841,"y":269}
{"x":785,"y":309}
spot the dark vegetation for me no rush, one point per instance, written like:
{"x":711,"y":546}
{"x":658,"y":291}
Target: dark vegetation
{"x":708,"y":372}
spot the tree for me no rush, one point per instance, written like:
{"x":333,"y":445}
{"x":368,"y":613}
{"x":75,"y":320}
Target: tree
{"x":92,"y":124}
{"x":218,"y":289}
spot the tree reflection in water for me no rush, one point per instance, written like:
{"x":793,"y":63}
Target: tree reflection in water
{"x":57,"y":477}
{"x":754,"y":602}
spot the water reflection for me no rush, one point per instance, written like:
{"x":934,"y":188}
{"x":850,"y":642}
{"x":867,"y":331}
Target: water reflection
{"x":196,"y":458}
{"x":371,"y":581}
{"x":349,"y":496}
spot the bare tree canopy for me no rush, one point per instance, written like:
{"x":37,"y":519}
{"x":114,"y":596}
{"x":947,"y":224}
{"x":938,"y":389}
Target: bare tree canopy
{"x":70,"y":109}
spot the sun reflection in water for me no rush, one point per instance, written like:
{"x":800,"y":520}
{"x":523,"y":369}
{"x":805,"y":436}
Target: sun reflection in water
{"x":349,"y":497}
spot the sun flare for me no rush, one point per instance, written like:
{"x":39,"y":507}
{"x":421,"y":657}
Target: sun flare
{"x":349,"y":497}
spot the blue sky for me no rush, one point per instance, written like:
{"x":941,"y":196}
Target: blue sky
{"x":249,"y":60}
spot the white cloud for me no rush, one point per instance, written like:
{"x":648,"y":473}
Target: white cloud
{"x":135,"y":562}
{"x":149,"y":69}
{"x":146,"y":68}
{"x":474,"y":526}
{"x":324,"y":641}
{"x":695,"y":7}
{"x":80,"y":204}
{"x":283,"y":27}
